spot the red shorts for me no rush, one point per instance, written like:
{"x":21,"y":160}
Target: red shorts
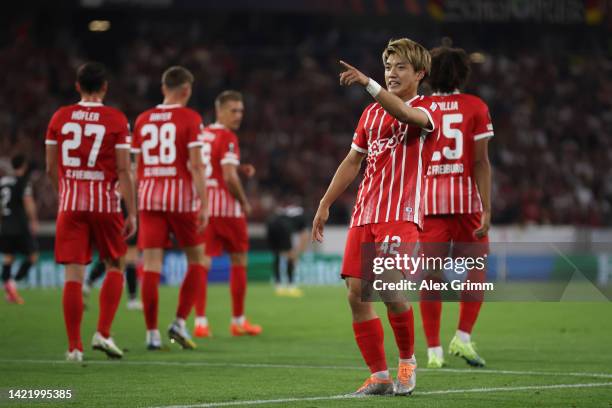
{"x":76,"y":231}
{"x":401,"y":232}
{"x":226,"y":233}
{"x":155,"y":228}
{"x":456,"y":228}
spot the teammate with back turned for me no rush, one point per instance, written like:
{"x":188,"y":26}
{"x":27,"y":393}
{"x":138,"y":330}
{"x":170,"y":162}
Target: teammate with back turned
{"x":457,"y":198}
{"x":171,"y":198}
{"x":228,"y":207}
{"x":389,"y":202}
{"x":88,"y":160}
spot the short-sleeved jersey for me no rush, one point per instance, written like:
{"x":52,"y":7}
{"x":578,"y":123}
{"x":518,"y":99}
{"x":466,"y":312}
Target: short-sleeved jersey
{"x":87,"y":135}
{"x":449,"y":182}
{"x":397,"y":157}
{"x":12,"y":191}
{"x":220,"y":147}
{"x":162,"y":137}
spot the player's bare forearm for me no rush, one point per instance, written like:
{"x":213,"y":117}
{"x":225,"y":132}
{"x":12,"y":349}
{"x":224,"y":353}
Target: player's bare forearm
{"x":234,"y":185}
{"x":30,"y":209}
{"x":126,"y":182}
{"x":482,"y":173}
{"x":51,"y":164}
{"x":345,"y":174}
{"x":198,"y":174}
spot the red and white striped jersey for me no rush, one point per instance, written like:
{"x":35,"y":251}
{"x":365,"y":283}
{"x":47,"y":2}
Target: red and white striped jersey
{"x":87,"y":135}
{"x":397,"y":157}
{"x":162,"y":137}
{"x":449,"y":182}
{"x":220,"y":147}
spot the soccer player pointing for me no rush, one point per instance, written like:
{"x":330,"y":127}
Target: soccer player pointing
{"x":389,"y":202}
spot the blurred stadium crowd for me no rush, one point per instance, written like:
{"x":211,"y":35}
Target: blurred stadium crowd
{"x":552,"y":111}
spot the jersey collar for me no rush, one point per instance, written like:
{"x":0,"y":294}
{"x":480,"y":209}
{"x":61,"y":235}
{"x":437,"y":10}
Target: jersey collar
{"x":217,"y":125}
{"x":171,"y":106}
{"x":90,"y":104}
{"x":455,"y":92}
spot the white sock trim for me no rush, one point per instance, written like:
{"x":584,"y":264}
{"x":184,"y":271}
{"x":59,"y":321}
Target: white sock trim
{"x":436,"y":351}
{"x":238,"y":320}
{"x":382,"y":375}
{"x":201,"y":321}
{"x":463,"y":336}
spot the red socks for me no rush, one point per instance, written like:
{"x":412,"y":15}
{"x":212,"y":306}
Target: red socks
{"x":468,"y":313}
{"x":238,"y":283}
{"x":431,"y":310}
{"x":370,"y":338}
{"x":403,"y":328}
{"x":200,"y":304}
{"x":189,"y":290}
{"x":150,"y":298}
{"x":72,"y":301}
{"x":110,"y":296}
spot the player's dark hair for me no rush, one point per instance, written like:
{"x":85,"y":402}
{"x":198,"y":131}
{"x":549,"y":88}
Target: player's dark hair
{"x":176,"y":76}
{"x":450,"y":69}
{"x":18,"y":161}
{"x":227,"y":96}
{"x":91,"y":77}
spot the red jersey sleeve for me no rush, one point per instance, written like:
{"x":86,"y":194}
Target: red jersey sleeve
{"x":194,"y":128}
{"x":122,"y":130}
{"x":230,"y":150}
{"x":483,"y":127}
{"x":360,"y":138}
{"x":53,"y":129}
{"x":432,"y":110}
{"x":136,"y":138}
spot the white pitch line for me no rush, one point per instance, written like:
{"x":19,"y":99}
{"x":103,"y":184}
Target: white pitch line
{"x":437,"y":392}
{"x":309,"y":367}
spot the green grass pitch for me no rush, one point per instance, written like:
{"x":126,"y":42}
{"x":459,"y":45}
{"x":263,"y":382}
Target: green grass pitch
{"x":538,"y":354}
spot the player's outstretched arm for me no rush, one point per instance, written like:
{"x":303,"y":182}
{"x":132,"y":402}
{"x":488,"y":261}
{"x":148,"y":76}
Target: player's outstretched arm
{"x":345,"y":174}
{"x":390,"y":102}
{"x":51,"y":164}
{"x":128,"y":191}
{"x":234,"y":185}
{"x":198,"y":174}
{"x":482,"y":175}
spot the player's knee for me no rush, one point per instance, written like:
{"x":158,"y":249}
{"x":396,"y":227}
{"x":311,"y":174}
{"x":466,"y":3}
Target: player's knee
{"x":111,"y":263}
{"x":33,"y":257}
{"x":238,"y":259}
{"x":397,"y":307}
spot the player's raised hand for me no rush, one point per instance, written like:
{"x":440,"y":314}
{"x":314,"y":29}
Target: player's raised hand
{"x":485,"y":224}
{"x":318,"y":224}
{"x":247,"y":169}
{"x":352,"y":75}
{"x":130,"y":226}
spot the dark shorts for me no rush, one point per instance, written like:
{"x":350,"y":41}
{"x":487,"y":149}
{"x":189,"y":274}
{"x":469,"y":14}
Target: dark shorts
{"x":24,"y":244}
{"x":279,"y":237}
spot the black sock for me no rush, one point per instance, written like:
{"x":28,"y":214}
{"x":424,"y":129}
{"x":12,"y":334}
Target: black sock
{"x":130,"y":277}
{"x":23,"y":270}
{"x":6,"y":272}
{"x":290,"y":271}
{"x":277,"y":261}
{"x":96,"y":273}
